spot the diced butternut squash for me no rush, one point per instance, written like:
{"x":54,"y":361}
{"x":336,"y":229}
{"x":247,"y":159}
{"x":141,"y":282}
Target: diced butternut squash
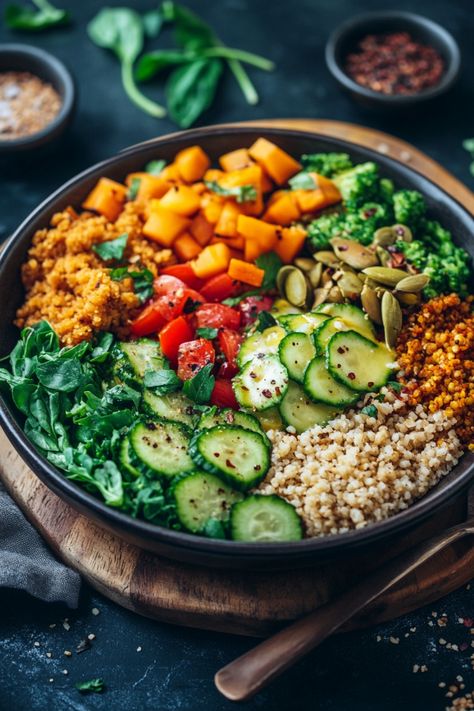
{"x":163,"y":226}
{"x":150,"y":186}
{"x":186,"y":248}
{"x":235,"y":160}
{"x":290,"y":241}
{"x":192,"y":163}
{"x":258,"y":231}
{"x":214,"y":259}
{"x":212,"y":175}
{"x":227,"y":223}
{"x":232,"y":242}
{"x":107,"y":198}
{"x":252,"y":250}
{"x":182,"y":200}
{"x":171,"y":173}
{"x":198,"y":188}
{"x":277,"y":163}
{"x":211,"y":206}
{"x":325,"y":194}
{"x":329,"y":189}
{"x":267,"y":184}
{"x":201,"y":229}
{"x":284,"y":210}
{"x":246,"y":176}
{"x":245,"y":272}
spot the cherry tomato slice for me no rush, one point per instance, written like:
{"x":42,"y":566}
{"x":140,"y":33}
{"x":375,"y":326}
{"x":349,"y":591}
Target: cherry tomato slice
{"x":149,"y":321}
{"x":229,"y":343}
{"x":194,"y":355}
{"x":217,"y":316}
{"x":251,"y":307}
{"x":173,"y":335}
{"x":185,"y":273}
{"x":219,"y":287}
{"x":227,"y":370}
{"x":182,"y":300}
{"x":223,"y":394}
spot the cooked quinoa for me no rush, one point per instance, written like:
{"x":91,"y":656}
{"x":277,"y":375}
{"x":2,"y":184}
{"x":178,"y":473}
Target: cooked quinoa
{"x":359,"y":469}
{"x":67,"y":283}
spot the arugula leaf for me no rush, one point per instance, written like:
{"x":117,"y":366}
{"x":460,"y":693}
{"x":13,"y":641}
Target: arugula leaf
{"x":302,"y":181}
{"x":271,"y":263}
{"x":26,"y":19}
{"x":242,"y":193}
{"x":113,"y":248}
{"x":161,"y":381}
{"x":90,"y":686}
{"x":142,"y":281}
{"x":370,"y":410}
{"x":199,"y":388}
{"x":154,"y":167}
{"x":265,"y":320}
{"x":191,"y":89}
{"x":132,"y":192}
{"x":209,"y":333}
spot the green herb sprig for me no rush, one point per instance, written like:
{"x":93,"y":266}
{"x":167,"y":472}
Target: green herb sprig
{"x":241,"y":193}
{"x":199,"y":388}
{"x":468,"y":145}
{"x":44,"y":16}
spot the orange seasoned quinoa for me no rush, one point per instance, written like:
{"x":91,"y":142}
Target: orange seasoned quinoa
{"x":436,"y":354}
{"x":67,"y":283}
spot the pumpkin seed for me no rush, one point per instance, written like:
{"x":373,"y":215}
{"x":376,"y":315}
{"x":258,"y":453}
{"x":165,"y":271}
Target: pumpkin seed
{"x":325,"y":257}
{"x":408,"y":299}
{"x":413,"y":284}
{"x":371,"y":304}
{"x":353,"y":253}
{"x":320,"y":296}
{"x":384,"y":237}
{"x":282,"y":276}
{"x":383,"y":255}
{"x":403,"y":233}
{"x":304,"y":263}
{"x":392,"y":319}
{"x":335,"y":296}
{"x":296,"y":288}
{"x":314,"y":275}
{"x":385,"y":275}
{"x":350,"y":285}
{"x":326,"y":276}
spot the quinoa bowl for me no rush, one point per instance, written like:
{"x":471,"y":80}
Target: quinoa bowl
{"x":426,"y":442}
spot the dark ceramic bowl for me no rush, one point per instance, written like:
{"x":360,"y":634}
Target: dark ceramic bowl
{"x":24,"y":58}
{"x":182,"y":546}
{"x":346,"y":37}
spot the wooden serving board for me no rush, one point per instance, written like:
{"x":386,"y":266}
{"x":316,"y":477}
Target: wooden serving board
{"x":233,"y":601}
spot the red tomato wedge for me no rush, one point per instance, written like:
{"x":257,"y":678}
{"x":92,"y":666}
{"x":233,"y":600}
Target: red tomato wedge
{"x":229,"y":343}
{"x":149,"y":321}
{"x":194,"y":355}
{"x":173,"y":335}
{"x":186,"y":274}
{"x":251,"y":307}
{"x":217,"y":316}
{"x":227,"y":370}
{"x":167,"y":284}
{"x":219,"y":287}
{"x":223,"y":395}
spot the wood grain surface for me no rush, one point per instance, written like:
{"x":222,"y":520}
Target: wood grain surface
{"x":232,"y":601}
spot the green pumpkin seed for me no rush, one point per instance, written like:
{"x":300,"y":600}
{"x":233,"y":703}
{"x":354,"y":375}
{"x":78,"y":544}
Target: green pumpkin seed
{"x":296,"y":288}
{"x":413,"y":284}
{"x":325,"y":257}
{"x":326,"y":277}
{"x":304,"y":263}
{"x":383,"y":255}
{"x":408,"y":299}
{"x":350,"y":285}
{"x":352,"y":253}
{"x":320,"y":296}
{"x":371,"y":304}
{"x":282,"y":276}
{"x":384,"y":237}
{"x":392,"y":319}
{"x":335,"y":295}
{"x":385,"y":275}
{"x":402,"y":232}
{"x":314,"y":275}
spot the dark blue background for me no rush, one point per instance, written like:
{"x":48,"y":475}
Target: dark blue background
{"x":174,"y":670}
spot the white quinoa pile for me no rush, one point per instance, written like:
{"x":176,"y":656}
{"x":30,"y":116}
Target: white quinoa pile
{"x":359,"y":468}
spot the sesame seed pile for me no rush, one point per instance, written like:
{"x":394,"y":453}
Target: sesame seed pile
{"x":359,"y":468}
{"x":436,"y":354}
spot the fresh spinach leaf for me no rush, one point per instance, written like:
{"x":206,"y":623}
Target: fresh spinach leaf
{"x":191,"y":89}
{"x":209,"y":333}
{"x":271,"y":263}
{"x":265,"y":320}
{"x":112,"y":249}
{"x":63,"y":375}
{"x":161,"y":381}
{"x":90,"y":686}
{"x":154,"y":167}
{"x":109,"y":482}
{"x":27,"y":19}
{"x":199,"y":388}
{"x":241,"y":193}
{"x":214,"y":528}
{"x":152,"y":23}
{"x":152,"y":63}
{"x":102,"y":348}
{"x":303,"y":181}
{"x":190,"y":31}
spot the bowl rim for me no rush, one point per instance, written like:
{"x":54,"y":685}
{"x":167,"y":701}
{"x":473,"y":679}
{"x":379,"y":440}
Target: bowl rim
{"x":339,"y":34}
{"x":232,"y":550}
{"x":66,"y":89}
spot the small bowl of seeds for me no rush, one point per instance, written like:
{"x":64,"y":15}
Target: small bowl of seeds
{"x":37,"y":98}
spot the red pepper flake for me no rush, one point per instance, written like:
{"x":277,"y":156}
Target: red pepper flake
{"x":351,"y":376}
{"x":395,"y":63}
{"x":229,"y":464}
{"x":266,"y":393}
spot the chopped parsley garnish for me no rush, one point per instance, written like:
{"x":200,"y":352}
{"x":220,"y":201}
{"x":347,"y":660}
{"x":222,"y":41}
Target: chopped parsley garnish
{"x":142,"y":281}
{"x":199,"y":388}
{"x":209,"y":333}
{"x":112,"y":249}
{"x":242,"y":193}
{"x":161,"y":381}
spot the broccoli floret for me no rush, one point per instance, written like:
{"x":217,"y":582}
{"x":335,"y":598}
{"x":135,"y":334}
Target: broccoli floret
{"x":328,"y":164}
{"x":409,"y":208}
{"x":359,"y":185}
{"x":324,"y":228}
{"x":359,"y":226}
{"x":387,"y":189}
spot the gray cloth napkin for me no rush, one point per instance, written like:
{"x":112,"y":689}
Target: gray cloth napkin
{"x":27,"y":564}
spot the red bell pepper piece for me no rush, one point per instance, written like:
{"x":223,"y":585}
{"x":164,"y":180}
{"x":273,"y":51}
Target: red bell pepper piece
{"x":185,"y":273}
{"x":223,"y":394}
{"x":219,"y":287}
{"x":173,"y":335}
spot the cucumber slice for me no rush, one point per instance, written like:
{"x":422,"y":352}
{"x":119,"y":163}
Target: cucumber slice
{"x":296,"y":350}
{"x":202,"y":496}
{"x":322,"y":387}
{"x":305,"y":323}
{"x":359,"y":363}
{"x":239,"y":456}
{"x":125,"y":460}
{"x":261,"y":383}
{"x":298,"y":411}
{"x":324,"y":333}
{"x":270,"y":419}
{"x":232,"y":417}
{"x":133,"y":358}
{"x":354,"y":317}
{"x":161,"y":448}
{"x":260,"y":518}
{"x":282,"y":306}
{"x":172,"y":406}
{"x":284,"y":319}
{"x":262,"y":343}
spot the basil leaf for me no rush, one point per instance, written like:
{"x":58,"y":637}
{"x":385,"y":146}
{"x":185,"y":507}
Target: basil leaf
{"x":191,"y":89}
{"x":90,"y":686}
{"x":209,"y":333}
{"x":271,"y":263}
{"x":132,"y":192}
{"x":303,"y":181}
{"x":65,"y":375}
{"x":199,"y":388}
{"x":190,"y":31}
{"x":154,"y":167}
{"x":142,"y":281}
{"x":26,"y":19}
{"x":370,"y":410}
{"x":242,"y":193}
{"x":151,"y":63}
{"x":161,"y":381}
{"x":152,"y":23}
{"x":265,"y":320}
{"x":112,"y":249}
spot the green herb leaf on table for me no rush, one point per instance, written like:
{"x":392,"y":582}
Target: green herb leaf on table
{"x":265,"y":320}
{"x":152,"y":63}
{"x":142,"y":281}
{"x":191,"y":89}
{"x":112,"y":249}
{"x":90,"y":686}
{"x":154,"y":167}
{"x":200,"y":387}
{"x":242,"y":193}
{"x":27,"y":19}
{"x":209,"y":333}
{"x":161,"y":381}
{"x":190,"y":31}
{"x":370,"y":411}
{"x":303,"y":181}
{"x":152,"y":23}
{"x":270,"y":262}
{"x":468,"y":145}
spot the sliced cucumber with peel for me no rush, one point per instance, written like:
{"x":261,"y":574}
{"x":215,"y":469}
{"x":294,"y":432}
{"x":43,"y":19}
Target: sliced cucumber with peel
{"x":265,"y":519}
{"x":260,"y":343}
{"x":124,"y":458}
{"x":202,"y":496}
{"x":160,"y":448}
{"x":354,"y":317}
{"x":305,"y":323}
{"x":322,"y":387}
{"x":261,"y":383}
{"x":238,"y":456}
{"x":323,"y":334}
{"x":133,"y":358}
{"x":172,"y":406}
{"x":270,"y":419}
{"x":296,"y":350}
{"x":359,"y":363}
{"x":227,"y":416}
{"x":298,"y":411}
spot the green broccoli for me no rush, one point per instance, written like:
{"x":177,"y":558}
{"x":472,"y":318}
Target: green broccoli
{"x":409,"y":208}
{"x":387,"y":189}
{"x":359,"y":226}
{"x":328,"y":164}
{"x":359,"y":185}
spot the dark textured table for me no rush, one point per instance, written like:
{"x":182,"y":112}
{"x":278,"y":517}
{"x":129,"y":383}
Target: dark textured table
{"x":147,"y":665}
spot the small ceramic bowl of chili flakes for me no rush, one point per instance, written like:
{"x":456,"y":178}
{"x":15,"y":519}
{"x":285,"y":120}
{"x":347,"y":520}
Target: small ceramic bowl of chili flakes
{"x":37,"y":97}
{"x":393,"y":59}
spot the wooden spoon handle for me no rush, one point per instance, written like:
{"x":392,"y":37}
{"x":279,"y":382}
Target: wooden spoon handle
{"x":251,"y":672}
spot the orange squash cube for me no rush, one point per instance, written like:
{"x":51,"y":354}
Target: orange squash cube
{"x":277,"y":163}
{"x":212,"y":175}
{"x":186,"y":248}
{"x":201,"y":229}
{"x":227,"y":223}
{"x":232,"y":242}
{"x":235,"y":160}
{"x":211,"y":207}
{"x":192,"y":163}
{"x":171,"y":173}
{"x":245,"y":272}
{"x":246,"y":176}
{"x":163,"y":226}
{"x":290,"y":241}
{"x":182,"y":200}
{"x":107,"y":198}
{"x":283,"y":210}
{"x":214,"y":259}
{"x":262,"y":233}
